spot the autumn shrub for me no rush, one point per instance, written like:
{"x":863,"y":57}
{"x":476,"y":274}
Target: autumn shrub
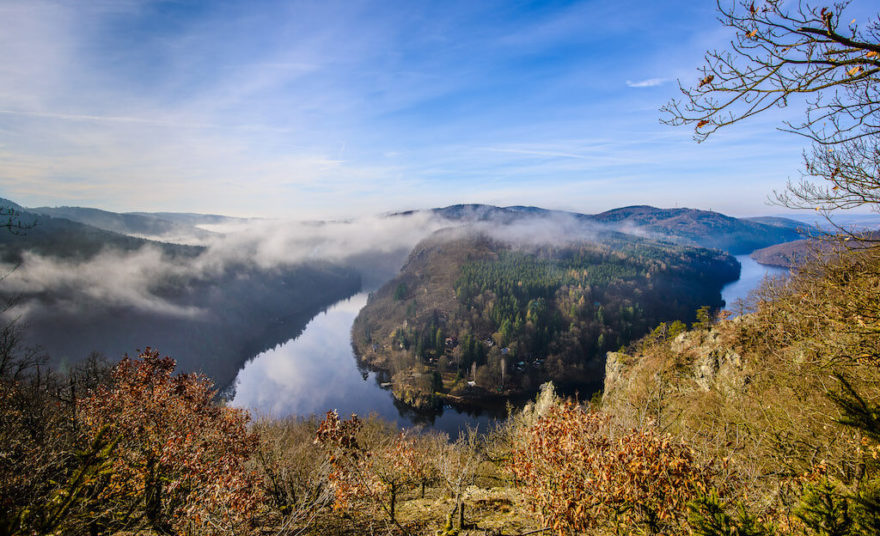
{"x":581,"y":475}
{"x":181,"y":463}
{"x":47,"y":470}
{"x":371,"y":465}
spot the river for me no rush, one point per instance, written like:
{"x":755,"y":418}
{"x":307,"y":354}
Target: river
{"x":317,"y":371}
{"x":750,"y":277}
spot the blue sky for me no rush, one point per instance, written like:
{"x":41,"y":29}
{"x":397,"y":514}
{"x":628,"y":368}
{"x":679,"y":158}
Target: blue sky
{"x":328,"y":108}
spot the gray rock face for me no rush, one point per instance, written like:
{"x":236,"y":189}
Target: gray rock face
{"x":714,"y":365}
{"x":719,"y":367}
{"x":614,"y":369}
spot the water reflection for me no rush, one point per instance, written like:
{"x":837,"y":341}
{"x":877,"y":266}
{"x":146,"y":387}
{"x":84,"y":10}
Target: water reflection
{"x":317,"y":372}
{"x":750,"y":277}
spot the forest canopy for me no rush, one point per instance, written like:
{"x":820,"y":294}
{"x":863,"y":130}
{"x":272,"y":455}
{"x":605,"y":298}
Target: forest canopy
{"x":480,"y":318}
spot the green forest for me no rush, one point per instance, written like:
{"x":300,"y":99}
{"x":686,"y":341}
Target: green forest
{"x":520,"y":317}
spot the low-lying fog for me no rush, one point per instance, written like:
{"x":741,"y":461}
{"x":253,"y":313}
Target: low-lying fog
{"x":248,"y":286}
{"x":149,"y":279}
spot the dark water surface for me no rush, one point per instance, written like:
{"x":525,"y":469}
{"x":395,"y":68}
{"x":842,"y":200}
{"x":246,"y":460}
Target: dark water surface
{"x":317,"y":372}
{"x":750,"y":277}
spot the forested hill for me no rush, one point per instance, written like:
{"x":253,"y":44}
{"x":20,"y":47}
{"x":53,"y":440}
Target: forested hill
{"x":798,"y":252}
{"x":704,"y":228}
{"x":154,"y":226}
{"x":56,"y":236}
{"x":788,"y":254}
{"x":84,"y":225}
{"x":469,"y":317}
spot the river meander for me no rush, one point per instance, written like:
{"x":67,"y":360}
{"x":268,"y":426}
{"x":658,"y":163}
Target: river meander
{"x":318,"y":371}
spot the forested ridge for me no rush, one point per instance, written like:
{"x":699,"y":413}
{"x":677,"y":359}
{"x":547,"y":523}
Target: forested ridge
{"x":473,"y":317}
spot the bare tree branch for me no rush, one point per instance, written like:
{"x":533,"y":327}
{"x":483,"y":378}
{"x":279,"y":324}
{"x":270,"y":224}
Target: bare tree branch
{"x":782,"y":52}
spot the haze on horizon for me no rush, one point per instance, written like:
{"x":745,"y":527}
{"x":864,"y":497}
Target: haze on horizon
{"x":345,"y":108}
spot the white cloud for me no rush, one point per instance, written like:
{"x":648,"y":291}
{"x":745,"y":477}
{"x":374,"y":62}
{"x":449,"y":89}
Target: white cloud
{"x":134,"y":279}
{"x":650,"y":82}
{"x":111,"y":278}
{"x":320,"y":112}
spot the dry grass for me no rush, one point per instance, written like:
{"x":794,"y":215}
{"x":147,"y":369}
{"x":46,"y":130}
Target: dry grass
{"x":753,"y":390}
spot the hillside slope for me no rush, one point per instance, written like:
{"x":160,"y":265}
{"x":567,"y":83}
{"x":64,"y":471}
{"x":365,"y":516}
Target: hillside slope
{"x":767,"y":392}
{"x":470,"y":318}
{"x":153,"y":226}
{"x":213,"y":325}
{"x":63,"y":238}
{"x":788,"y":254}
{"x":799,"y":252}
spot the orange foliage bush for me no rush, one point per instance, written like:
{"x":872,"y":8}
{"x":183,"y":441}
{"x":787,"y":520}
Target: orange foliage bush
{"x":365,"y":475}
{"x":181,"y":458}
{"x":579,"y":477}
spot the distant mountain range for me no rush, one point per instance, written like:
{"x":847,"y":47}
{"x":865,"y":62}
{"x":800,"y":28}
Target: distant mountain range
{"x":678,"y":225}
{"x":683,"y":226}
{"x":72,"y":233}
{"x":162,"y":226}
{"x":155,"y":226}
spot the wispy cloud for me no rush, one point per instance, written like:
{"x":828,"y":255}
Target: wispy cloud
{"x":535,"y":152}
{"x":107,"y":118}
{"x":650,"y":82}
{"x":224,"y":108}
